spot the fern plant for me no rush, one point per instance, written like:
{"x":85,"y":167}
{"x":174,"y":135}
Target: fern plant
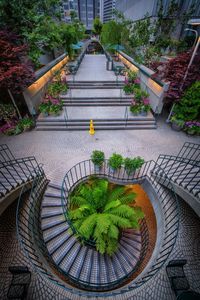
{"x":99,"y":210}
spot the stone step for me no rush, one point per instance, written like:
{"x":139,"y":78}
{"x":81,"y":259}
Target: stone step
{"x":97,"y":102}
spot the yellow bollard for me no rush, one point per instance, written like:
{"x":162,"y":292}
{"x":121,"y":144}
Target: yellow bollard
{"x":92,"y":131}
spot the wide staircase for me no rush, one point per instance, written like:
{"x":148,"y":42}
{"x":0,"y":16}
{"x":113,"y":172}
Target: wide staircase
{"x":56,"y":253}
{"x":97,"y":94}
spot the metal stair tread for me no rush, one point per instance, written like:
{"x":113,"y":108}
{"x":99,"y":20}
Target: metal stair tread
{"x":51,"y":211}
{"x":62,"y":251}
{"x":52,"y":221}
{"x":58,"y":240}
{"x":69,"y":259}
{"x":54,"y":231}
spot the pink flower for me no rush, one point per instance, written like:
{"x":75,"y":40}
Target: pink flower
{"x":137,"y":81}
{"x":146,"y":101}
{"x":126,"y":80}
{"x":133,"y":102}
{"x":55,"y":101}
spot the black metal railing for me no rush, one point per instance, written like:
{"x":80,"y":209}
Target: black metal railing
{"x":16,"y":172}
{"x":190,"y":151}
{"x":5,"y":153}
{"x":85,"y":169}
{"x":183,"y":171}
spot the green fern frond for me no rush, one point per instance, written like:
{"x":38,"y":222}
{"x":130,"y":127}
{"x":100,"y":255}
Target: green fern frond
{"x":101,"y":245}
{"x":120,"y":221}
{"x":76,"y":214}
{"x":116,"y":193}
{"x":113,"y":232}
{"x":102,"y":226}
{"x":128,"y":198}
{"x":111,"y":205}
{"x":124,"y":211}
{"x":112,"y":246}
{"x":77,"y":200}
{"x":87,"y":227}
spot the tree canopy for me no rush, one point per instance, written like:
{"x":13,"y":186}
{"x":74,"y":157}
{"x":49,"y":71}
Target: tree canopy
{"x":97,"y":26}
{"x":39,"y":24}
{"x":16,"y":72}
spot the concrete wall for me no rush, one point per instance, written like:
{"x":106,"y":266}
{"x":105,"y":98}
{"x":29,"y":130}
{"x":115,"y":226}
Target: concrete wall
{"x":155,"y":89}
{"x":34,"y":93}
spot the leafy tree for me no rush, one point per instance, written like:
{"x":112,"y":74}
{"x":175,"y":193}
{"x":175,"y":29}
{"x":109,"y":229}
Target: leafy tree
{"x":174,"y":71}
{"x":99,"y":211}
{"x":16,"y":72}
{"x":97,"y":26}
{"x":30,"y":20}
{"x":111,"y":33}
{"x":188,"y":108}
{"x":40,"y":41}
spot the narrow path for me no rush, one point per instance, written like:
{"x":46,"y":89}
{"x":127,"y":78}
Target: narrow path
{"x":93,"y":68}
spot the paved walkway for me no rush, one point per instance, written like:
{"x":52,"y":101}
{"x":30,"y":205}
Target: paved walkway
{"x":93,"y":68}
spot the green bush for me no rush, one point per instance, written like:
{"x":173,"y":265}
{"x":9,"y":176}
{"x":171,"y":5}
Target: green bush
{"x":115,"y":161}
{"x":97,"y":157}
{"x":26,"y":123}
{"x":132,"y":164}
{"x":188,"y":109}
{"x":100,"y":210}
{"x":55,"y":88}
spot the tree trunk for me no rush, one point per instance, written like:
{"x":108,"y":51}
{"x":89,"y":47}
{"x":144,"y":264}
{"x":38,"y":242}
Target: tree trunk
{"x":13,"y":101}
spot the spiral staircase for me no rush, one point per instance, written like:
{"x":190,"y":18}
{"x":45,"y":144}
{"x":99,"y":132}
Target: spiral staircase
{"x":57,"y":255}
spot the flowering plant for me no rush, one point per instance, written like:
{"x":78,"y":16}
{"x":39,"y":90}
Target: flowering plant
{"x":11,"y":128}
{"x":50,"y":104}
{"x":135,"y":107}
{"x":192,"y":127}
{"x":137,"y":81}
{"x":145,"y":105}
{"x":128,"y":88}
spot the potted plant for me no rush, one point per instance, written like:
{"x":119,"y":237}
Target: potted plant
{"x":132,"y":75}
{"x":176,"y":124}
{"x":128,"y":89}
{"x":135,"y":108}
{"x":192,"y":128}
{"x":56,"y":87}
{"x":54,"y":109}
{"x":44,"y":108}
{"x":26,"y":123}
{"x":97,"y":158}
{"x":132,"y":164}
{"x":115,"y":162}
{"x":145,"y":107}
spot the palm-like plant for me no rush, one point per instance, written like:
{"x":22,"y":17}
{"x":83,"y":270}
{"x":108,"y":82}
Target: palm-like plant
{"x":99,"y":210}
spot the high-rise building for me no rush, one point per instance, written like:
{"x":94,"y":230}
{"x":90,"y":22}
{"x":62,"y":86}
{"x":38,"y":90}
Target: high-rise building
{"x":136,"y":10}
{"x":67,"y":7}
{"x":108,"y":7}
{"x":88,"y":10}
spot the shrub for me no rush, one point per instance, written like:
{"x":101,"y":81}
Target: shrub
{"x":26,"y":123}
{"x":115,"y":161}
{"x":97,"y":157}
{"x":188,"y":108}
{"x":132,"y":164}
{"x":57,"y":87}
{"x":99,"y":211}
{"x":192,"y":127}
